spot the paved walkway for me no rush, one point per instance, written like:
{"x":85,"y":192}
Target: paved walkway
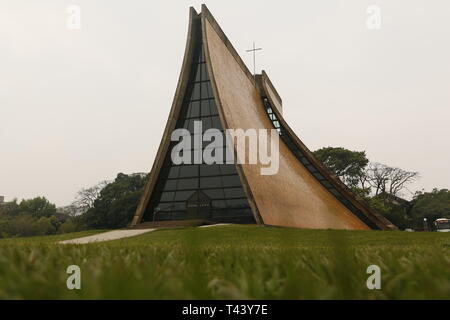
{"x":216,"y":225}
{"x":107,"y":236}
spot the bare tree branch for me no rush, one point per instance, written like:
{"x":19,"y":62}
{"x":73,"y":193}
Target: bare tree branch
{"x":85,"y":198}
{"x":385,"y":179}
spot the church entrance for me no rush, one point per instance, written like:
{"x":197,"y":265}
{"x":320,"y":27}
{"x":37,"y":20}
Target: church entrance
{"x":198,"y":206}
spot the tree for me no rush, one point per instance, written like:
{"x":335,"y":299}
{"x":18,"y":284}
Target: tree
{"x":388,"y":180}
{"x":116,"y":203}
{"x":430,"y":205}
{"x":347,"y":165}
{"x":71,"y":210}
{"x":379,"y":185}
{"x":10,"y":208}
{"x":85,"y":199}
{"x":37,"y":207}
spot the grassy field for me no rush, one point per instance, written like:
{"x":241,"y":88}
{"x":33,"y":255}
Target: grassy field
{"x":230,"y":262}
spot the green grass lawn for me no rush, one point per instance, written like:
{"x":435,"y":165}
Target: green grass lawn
{"x":230,"y":262}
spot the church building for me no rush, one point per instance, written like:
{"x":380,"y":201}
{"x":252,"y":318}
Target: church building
{"x":216,"y":89}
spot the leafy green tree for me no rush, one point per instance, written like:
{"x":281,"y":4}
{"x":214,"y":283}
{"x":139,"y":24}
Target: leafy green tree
{"x":33,"y":217}
{"x":396,"y":212}
{"x":68,"y":226}
{"x":347,"y":165}
{"x":431,"y":205}
{"x":43,"y":226}
{"x":116,"y":203}
{"x":37,"y":207}
{"x":378,"y":184}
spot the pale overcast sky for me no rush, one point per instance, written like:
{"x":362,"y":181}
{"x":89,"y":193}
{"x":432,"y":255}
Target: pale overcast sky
{"x":77,"y":107}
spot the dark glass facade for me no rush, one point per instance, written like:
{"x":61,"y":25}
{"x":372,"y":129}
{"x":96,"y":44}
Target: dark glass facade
{"x":198,"y":191}
{"x":299,"y":154}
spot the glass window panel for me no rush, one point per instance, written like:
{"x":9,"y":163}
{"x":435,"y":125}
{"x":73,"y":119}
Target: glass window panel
{"x":185,"y":124}
{"x":163,"y":216}
{"x":195,"y":109}
{"x":228,"y":169}
{"x":202,"y":55}
{"x":183,"y":195}
{"x":204,"y":72}
{"x":179,"y":215}
{"x":189,"y":171}
{"x":155,"y":202}
{"x":207,"y":124}
{"x":234,"y":193}
{"x":196,"y":92}
{"x":198,"y":73}
{"x":176,"y":184}
{"x":209,"y":170}
{"x":241,"y":212}
{"x":205,"y":108}
{"x":184,"y":113}
{"x":192,"y":125}
{"x":213,"y":107}
{"x":167,"y":196}
{"x":216,"y":123}
{"x":219,"y":204}
{"x":231,"y":181}
{"x":206,"y":90}
{"x":179,"y":206}
{"x":297,"y":153}
{"x":352,"y":208}
{"x":240,"y":203}
{"x":319,"y":176}
{"x":214,"y":193}
{"x":164,"y":206}
{"x":170,"y":185}
{"x":173,"y":173}
{"x":304,"y":161}
{"x":160,"y":184}
{"x":210,"y":90}
{"x":210,"y":182}
{"x":334,"y":191}
{"x":189,"y":184}
{"x":290,"y":144}
{"x":151,"y":207}
{"x":327,"y":184}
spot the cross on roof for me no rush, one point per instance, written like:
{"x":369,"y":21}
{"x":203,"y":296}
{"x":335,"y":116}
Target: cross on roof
{"x":254,"y":58}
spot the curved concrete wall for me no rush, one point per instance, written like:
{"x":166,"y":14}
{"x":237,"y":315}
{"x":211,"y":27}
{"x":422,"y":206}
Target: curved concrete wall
{"x":293,"y":197}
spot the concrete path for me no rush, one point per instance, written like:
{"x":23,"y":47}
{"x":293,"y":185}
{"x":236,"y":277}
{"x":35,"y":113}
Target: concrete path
{"x":216,"y":225}
{"x":107,"y":236}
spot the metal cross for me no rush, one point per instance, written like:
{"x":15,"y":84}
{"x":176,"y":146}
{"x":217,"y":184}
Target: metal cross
{"x":254,"y":58}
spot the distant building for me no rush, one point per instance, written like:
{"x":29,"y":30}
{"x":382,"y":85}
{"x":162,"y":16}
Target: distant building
{"x":4,"y":206}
